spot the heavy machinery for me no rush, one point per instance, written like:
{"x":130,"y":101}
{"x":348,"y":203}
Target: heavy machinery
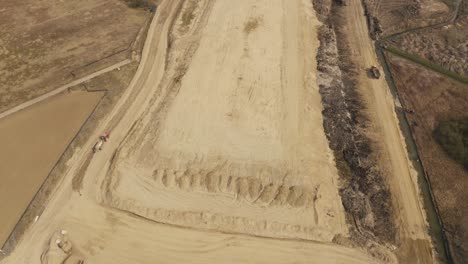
{"x":102,"y":139}
{"x":374,"y":71}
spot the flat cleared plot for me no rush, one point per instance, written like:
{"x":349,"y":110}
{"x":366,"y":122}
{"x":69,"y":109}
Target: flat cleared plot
{"x":31,"y":142}
{"x":241,"y":148}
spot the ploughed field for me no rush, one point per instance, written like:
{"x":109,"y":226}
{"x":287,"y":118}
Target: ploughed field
{"x":234,"y":140}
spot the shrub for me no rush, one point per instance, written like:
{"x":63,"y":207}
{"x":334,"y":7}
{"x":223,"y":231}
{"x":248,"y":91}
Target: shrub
{"x":147,"y":4}
{"x":452,"y":135}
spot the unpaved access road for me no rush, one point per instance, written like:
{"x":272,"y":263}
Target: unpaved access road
{"x":403,"y":178}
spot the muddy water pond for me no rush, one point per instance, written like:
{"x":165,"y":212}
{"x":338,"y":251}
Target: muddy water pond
{"x":31,"y":142}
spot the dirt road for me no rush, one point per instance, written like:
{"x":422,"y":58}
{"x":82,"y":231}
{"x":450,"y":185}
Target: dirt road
{"x":405,"y":191}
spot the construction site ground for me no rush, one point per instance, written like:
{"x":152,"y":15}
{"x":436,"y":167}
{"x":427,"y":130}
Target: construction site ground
{"x":238,"y":139}
{"x":218,"y":152}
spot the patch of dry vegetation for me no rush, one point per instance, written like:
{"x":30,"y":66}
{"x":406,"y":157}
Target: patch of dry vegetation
{"x":445,"y":45}
{"x":188,"y":14}
{"x":389,"y":17}
{"x":251,"y":25}
{"x":429,"y":100}
{"x":145,"y":4}
{"x":452,"y":135}
{"x":43,"y":42}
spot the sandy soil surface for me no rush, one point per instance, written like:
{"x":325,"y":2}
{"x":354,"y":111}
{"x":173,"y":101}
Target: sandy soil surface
{"x":415,"y":241}
{"x":240,"y":147}
{"x":43,"y":42}
{"x":103,"y":235}
{"x":32,"y":141}
{"x":97,"y":231}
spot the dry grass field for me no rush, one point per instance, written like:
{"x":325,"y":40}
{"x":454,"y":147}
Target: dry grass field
{"x":396,"y":16}
{"x":445,"y":45}
{"x":430,"y":98}
{"x":43,"y":42}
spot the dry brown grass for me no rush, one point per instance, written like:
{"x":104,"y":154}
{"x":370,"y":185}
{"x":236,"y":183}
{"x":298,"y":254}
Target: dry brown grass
{"x":399,"y":15}
{"x":189,"y":13}
{"x":446,"y":45}
{"x":251,"y":25}
{"x":43,"y":42}
{"x":435,"y":98}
